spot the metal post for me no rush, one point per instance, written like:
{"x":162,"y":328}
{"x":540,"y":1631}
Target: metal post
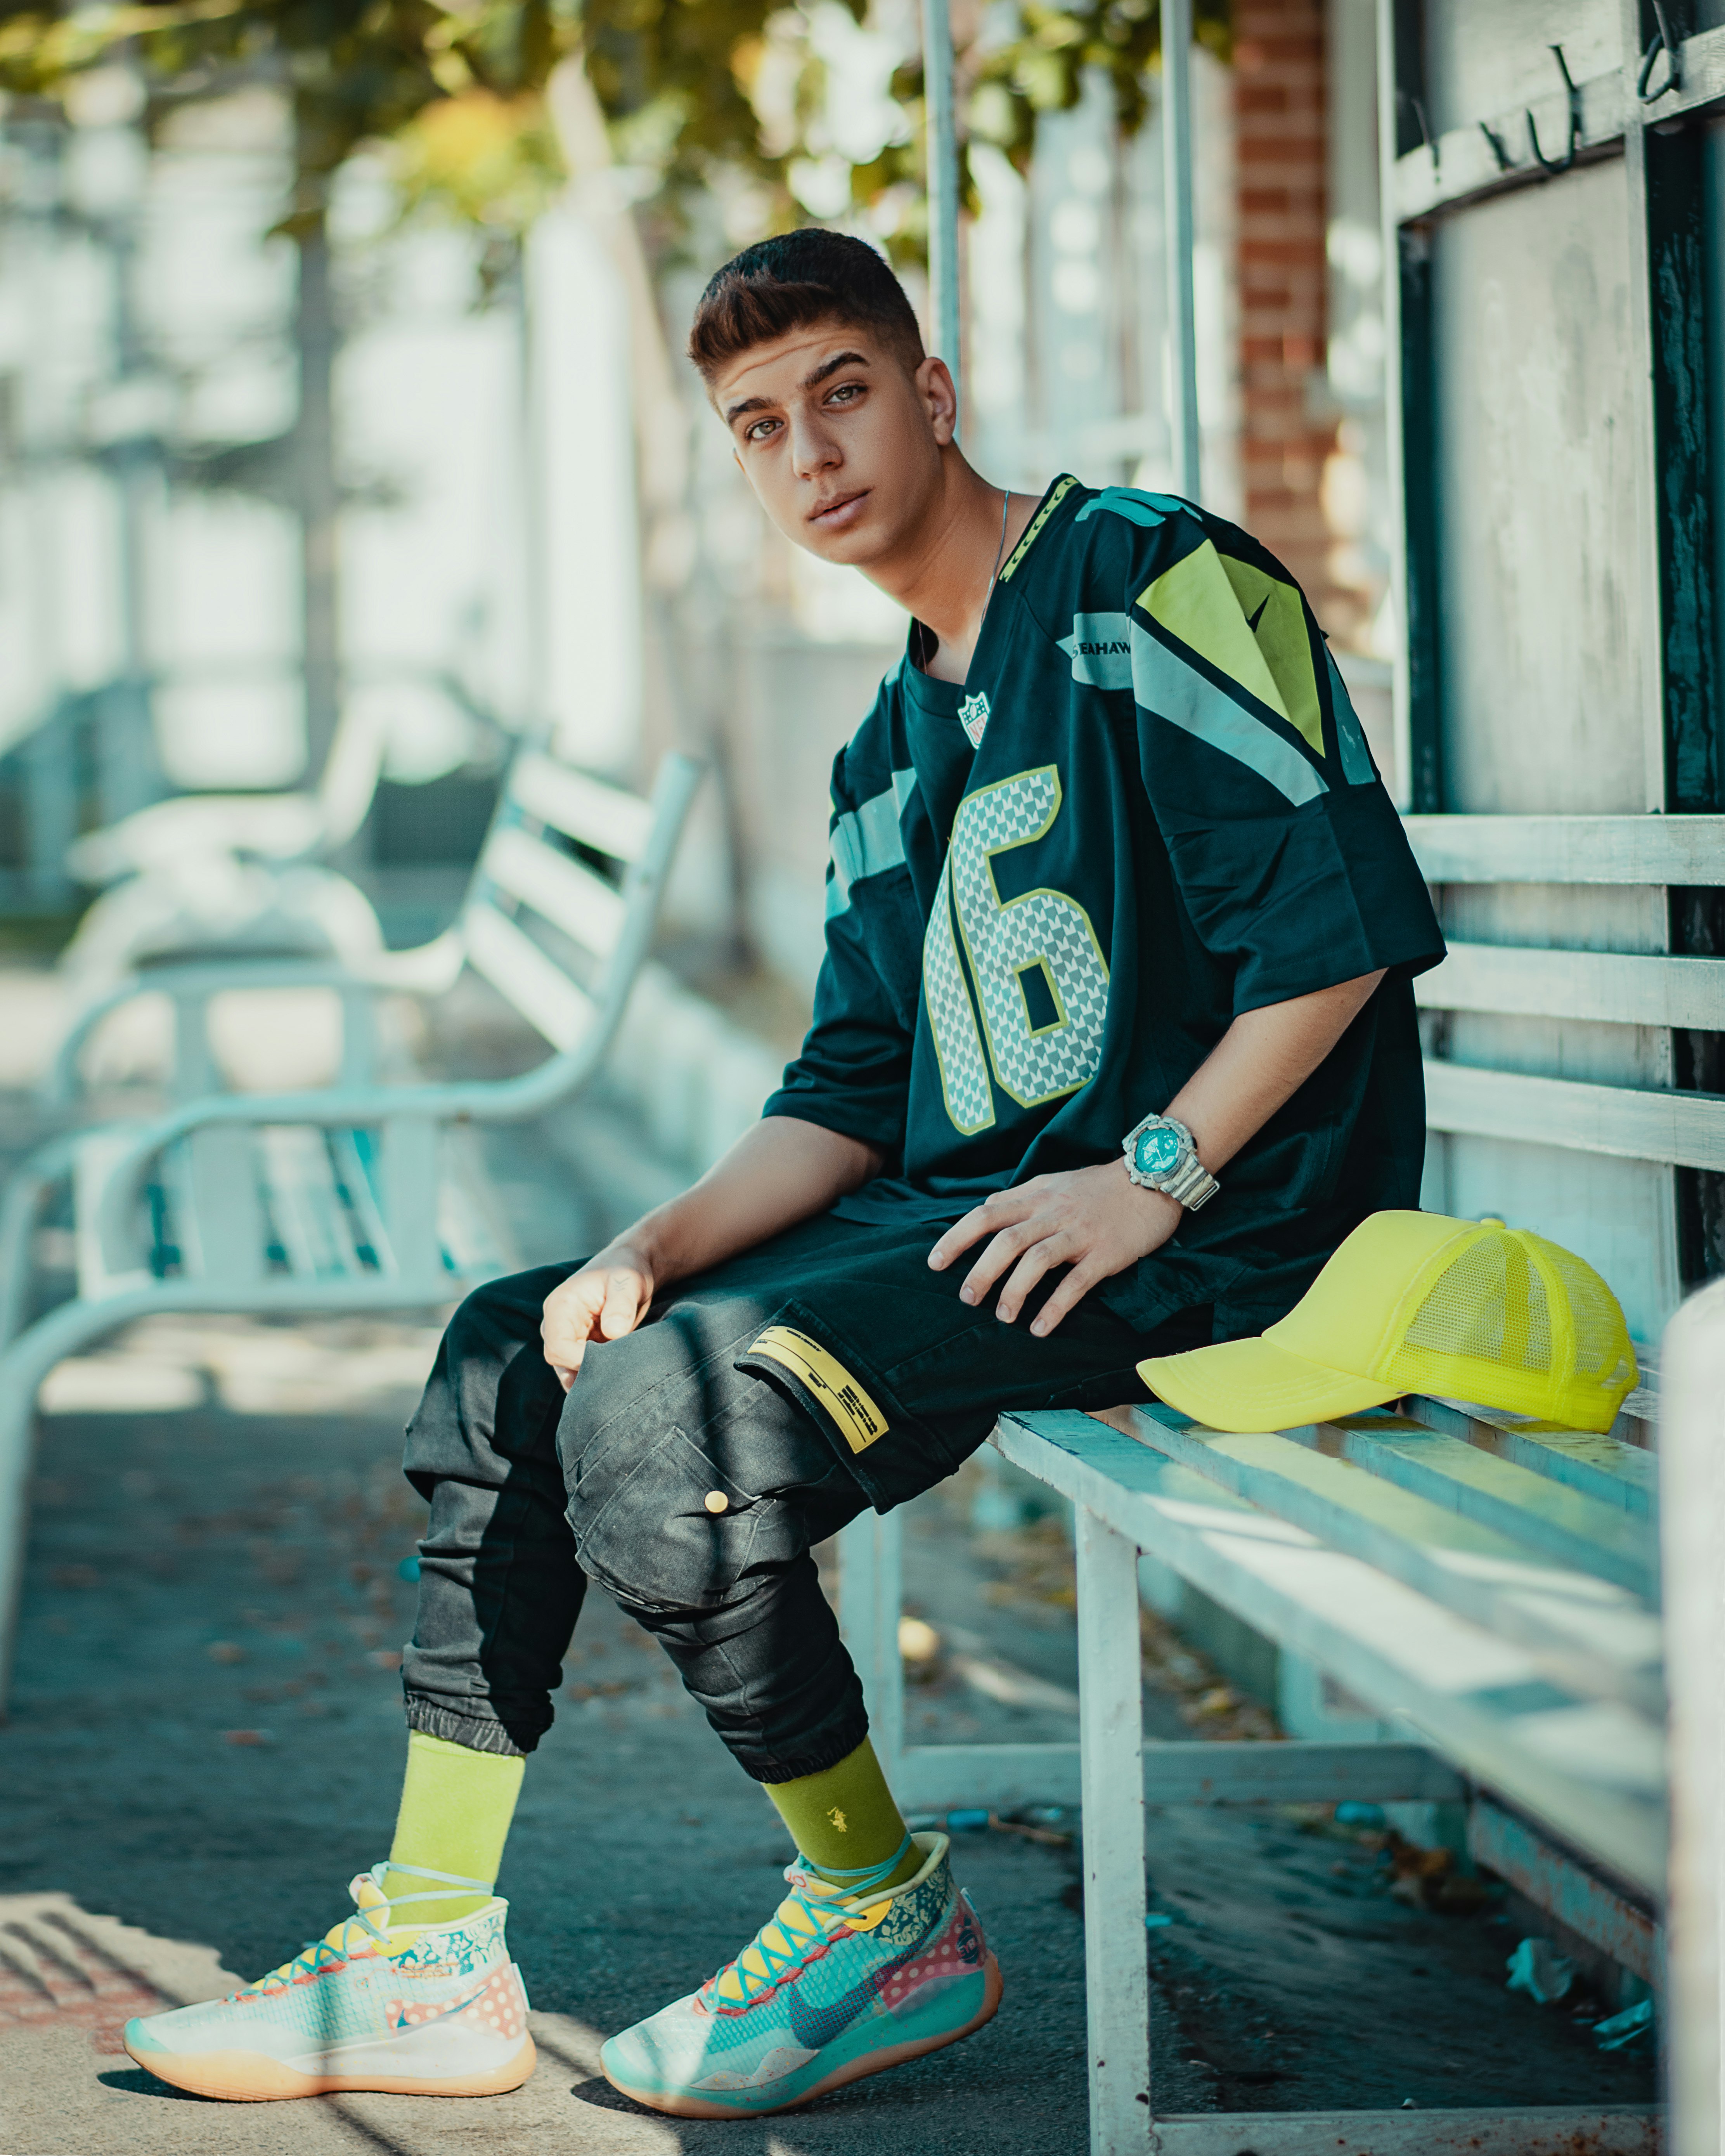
{"x":1111,"y":1738}
{"x":943,"y":155}
{"x":1391,"y":234}
{"x":1176,"y":193}
{"x":1692,"y":1476}
{"x":320,"y":494}
{"x":128,"y":770}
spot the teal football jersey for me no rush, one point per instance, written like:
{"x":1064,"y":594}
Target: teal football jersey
{"x":1150,"y":808}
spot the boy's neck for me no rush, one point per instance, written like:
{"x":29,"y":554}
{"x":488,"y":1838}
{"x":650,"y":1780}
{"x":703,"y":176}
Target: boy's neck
{"x":944,"y":572}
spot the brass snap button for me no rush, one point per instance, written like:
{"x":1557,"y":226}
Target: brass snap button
{"x":717,"y":1501}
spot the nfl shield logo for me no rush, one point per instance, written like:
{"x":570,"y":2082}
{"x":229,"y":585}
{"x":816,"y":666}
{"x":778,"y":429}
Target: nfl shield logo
{"x":973,"y":717}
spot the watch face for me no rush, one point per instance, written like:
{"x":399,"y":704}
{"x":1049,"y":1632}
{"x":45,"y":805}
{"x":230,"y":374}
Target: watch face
{"x":1156,"y":1151}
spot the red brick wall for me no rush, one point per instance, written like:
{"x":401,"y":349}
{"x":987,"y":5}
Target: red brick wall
{"x":1279,"y":118}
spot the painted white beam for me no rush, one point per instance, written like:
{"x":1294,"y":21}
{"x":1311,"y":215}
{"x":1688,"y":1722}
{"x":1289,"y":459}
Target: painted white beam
{"x":1620,"y":988}
{"x":1616,"y":849}
{"x":1685,"y":1130}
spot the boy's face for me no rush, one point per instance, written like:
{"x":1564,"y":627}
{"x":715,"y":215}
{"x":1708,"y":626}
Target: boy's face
{"x":840,"y":444}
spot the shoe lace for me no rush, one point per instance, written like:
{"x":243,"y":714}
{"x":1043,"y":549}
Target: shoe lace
{"x":336,"y":1945}
{"x":804,"y":1917}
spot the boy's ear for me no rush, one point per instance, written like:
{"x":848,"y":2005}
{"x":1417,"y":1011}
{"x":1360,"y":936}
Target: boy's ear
{"x":939,"y":399}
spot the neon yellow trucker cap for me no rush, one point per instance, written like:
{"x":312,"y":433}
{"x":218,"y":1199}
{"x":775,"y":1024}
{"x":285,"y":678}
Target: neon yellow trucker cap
{"x":1414,"y":1303}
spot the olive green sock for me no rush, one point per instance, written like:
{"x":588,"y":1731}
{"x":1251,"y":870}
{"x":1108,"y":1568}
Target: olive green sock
{"x":456,"y":1805}
{"x":846,"y":1823}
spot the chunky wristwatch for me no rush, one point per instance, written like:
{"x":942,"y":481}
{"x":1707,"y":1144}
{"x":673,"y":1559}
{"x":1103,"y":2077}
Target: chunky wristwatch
{"x":1160,"y":1155}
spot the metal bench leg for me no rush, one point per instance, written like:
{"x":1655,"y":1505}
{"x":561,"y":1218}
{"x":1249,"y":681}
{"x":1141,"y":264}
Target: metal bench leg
{"x":870,"y":1590}
{"x":23,"y":1366}
{"x":1110,"y":1748}
{"x":31,"y":1182}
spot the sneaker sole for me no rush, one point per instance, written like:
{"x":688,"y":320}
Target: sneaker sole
{"x":253,"y":2078}
{"x":679,"y":2106}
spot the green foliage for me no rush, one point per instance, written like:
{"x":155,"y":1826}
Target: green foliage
{"x":356,"y":73}
{"x":689,"y":87}
{"x":1004,"y":88}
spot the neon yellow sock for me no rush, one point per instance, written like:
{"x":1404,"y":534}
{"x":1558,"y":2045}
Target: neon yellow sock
{"x":845,"y":1821}
{"x":456,"y":1805}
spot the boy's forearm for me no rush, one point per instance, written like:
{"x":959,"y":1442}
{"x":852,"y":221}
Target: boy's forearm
{"x":1262,"y":1061}
{"x":779,"y":1173}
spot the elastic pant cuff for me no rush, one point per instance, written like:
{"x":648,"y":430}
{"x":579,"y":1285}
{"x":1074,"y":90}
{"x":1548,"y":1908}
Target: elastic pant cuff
{"x":477,"y":1734}
{"x":837,"y":1742}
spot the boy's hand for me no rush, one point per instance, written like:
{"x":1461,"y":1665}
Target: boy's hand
{"x":603,"y":1301}
{"x":1094,"y":1219}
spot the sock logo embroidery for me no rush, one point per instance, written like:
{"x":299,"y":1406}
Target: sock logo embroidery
{"x":838,"y":1819}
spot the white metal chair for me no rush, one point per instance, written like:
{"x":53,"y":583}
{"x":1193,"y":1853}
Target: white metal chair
{"x":365,"y":1196}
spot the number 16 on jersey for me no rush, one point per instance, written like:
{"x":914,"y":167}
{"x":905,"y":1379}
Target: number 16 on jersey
{"x":1041,"y":982}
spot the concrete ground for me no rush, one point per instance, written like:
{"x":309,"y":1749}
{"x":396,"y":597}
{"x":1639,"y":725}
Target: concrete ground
{"x":206,"y":1744}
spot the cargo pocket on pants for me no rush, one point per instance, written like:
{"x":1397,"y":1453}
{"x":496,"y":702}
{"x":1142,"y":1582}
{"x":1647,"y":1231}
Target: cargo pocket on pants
{"x":674,"y":1533}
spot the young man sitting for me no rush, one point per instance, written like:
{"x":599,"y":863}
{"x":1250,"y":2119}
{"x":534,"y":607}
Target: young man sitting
{"x":1113,"y":1044}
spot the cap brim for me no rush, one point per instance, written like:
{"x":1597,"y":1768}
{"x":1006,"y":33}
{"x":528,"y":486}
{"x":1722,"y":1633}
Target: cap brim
{"x":1254,"y":1385}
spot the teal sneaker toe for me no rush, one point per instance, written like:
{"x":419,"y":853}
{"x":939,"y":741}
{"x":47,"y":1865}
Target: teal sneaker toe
{"x":834,"y":1987}
{"x":138,"y":2038}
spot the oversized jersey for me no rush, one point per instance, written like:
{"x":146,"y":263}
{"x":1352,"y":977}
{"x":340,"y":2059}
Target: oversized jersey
{"x":1150,"y":808}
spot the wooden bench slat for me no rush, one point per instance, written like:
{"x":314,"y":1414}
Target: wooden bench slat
{"x":476,"y":1238}
{"x":1627,"y":1123}
{"x":355,"y":1155}
{"x":1479,"y":1700}
{"x":1569,"y":850}
{"x":1599,"y":1465}
{"x":1543,"y":1515}
{"x":518,"y":970}
{"x":571,"y":896}
{"x":1596,"y":1638}
{"x":312,"y":1223}
{"x":1615,"y":987}
{"x":581,"y":808}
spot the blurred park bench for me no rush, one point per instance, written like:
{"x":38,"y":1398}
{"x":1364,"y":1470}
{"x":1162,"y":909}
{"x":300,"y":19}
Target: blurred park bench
{"x":232,"y":872}
{"x":365,"y":1196}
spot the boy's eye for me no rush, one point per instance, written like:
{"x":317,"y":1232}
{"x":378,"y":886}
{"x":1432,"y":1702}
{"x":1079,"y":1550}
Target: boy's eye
{"x":757,"y":432}
{"x":847,"y":392}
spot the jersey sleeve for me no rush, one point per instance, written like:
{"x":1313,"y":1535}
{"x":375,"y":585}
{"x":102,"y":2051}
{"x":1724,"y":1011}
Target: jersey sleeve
{"x":853,"y":1073}
{"x":1287,"y":853}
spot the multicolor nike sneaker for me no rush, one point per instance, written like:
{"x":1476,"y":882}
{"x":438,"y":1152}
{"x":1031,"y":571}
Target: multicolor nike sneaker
{"x":837,"y":1985}
{"x":437,"y":2011}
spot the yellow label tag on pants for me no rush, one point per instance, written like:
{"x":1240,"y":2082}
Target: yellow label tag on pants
{"x":844,"y":1400}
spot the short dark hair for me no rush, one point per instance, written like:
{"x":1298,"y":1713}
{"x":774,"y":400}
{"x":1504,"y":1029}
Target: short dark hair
{"x":789,"y":283}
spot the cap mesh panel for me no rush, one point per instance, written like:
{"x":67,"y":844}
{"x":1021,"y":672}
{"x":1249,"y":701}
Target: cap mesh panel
{"x":1489,"y":1306}
{"x":1485,"y":1332}
{"x":1604,"y":1357}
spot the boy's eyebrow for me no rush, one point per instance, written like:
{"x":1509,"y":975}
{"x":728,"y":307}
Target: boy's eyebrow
{"x":809,"y":382}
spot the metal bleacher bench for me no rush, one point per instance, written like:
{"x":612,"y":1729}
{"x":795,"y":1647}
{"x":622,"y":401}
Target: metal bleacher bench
{"x":1488,"y":1588}
{"x":366,"y":1196}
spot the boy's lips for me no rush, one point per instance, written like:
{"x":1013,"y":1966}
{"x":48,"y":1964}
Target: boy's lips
{"x":844,"y":509}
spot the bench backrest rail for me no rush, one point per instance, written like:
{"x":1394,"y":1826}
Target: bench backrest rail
{"x":1674,"y":1129}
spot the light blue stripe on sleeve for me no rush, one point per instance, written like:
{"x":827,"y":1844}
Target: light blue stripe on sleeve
{"x":867,"y":839}
{"x":1167,"y":686}
{"x":1356,"y":757}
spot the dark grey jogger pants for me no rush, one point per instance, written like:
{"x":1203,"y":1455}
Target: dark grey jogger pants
{"x":827,"y":1370}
